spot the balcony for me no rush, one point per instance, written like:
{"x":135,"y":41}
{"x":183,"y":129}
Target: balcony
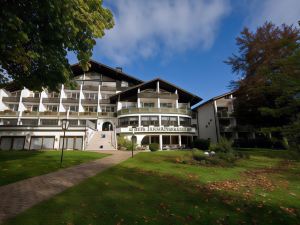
{"x":50,"y":100}
{"x":31,"y":99}
{"x":106,"y":114}
{"x":70,"y":100}
{"x":224,"y":114}
{"x":30,"y":114}
{"x":88,"y":114}
{"x":229,"y":128}
{"x":104,"y":101}
{"x":89,"y":101}
{"x":89,"y":88}
{"x":49,"y":114}
{"x":154,"y":111}
{"x":9,"y":113}
{"x":158,"y":95}
{"x":11,"y":99}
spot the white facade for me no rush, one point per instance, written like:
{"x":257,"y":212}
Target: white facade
{"x":105,"y":103}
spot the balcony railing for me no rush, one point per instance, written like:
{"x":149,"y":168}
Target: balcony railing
{"x":89,"y":88}
{"x":89,"y":101}
{"x":50,"y":100}
{"x":8,"y":113}
{"x":224,"y":114}
{"x":11,"y":99}
{"x":154,"y":110}
{"x":31,"y":99}
{"x":70,"y":100}
{"x":157,"y":95}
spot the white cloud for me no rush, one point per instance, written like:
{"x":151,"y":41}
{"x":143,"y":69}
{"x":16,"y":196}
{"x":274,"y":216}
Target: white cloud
{"x":151,"y":28}
{"x":276,"y":11}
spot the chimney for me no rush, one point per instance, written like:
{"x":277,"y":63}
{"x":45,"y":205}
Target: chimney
{"x":119,"y":69}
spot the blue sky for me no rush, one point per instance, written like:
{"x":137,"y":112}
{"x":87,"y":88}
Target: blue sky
{"x":184,"y":41}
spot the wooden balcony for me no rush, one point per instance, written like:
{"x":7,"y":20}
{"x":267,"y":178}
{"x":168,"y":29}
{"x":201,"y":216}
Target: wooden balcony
{"x":157,"y":95}
{"x":8,"y":113}
{"x":31,"y":99}
{"x":70,"y":100}
{"x":50,"y":100}
{"x":89,"y":101}
{"x":154,"y":111}
{"x":11,"y":99}
{"x":89,"y":88}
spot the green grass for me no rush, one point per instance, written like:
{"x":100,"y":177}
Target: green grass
{"x":19,"y":165}
{"x":157,"y":188}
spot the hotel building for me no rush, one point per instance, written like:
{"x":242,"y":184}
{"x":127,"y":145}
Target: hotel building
{"x":104,"y":103}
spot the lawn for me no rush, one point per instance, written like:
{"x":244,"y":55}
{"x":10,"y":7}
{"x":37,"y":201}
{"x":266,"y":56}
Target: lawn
{"x":161,"y":188}
{"x":19,"y":165}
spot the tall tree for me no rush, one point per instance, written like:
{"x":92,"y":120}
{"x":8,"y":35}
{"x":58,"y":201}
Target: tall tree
{"x":268,"y":65}
{"x":37,"y":35}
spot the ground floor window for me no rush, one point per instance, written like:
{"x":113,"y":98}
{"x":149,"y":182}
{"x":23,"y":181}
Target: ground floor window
{"x":186,"y":140}
{"x":170,"y":140}
{"x":150,"y":139}
{"x":74,"y":143}
{"x":12,"y":143}
{"x":42,"y":142}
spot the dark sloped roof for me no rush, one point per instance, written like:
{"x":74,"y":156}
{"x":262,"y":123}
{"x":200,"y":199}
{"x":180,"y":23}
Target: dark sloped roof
{"x":183,"y":94}
{"x":105,"y":70}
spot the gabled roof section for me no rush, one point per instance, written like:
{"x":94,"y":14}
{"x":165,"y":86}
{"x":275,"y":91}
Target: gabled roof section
{"x":105,"y":70}
{"x":183,"y":94}
{"x":214,"y":98}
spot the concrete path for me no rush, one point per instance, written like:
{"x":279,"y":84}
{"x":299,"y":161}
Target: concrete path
{"x":17,"y":197}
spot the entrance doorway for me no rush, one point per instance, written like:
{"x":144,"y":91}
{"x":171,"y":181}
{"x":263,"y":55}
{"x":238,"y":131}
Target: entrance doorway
{"x":107,"y":126}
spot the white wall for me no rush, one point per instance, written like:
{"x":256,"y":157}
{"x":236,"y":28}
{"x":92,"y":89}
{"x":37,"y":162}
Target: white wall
{"x":207,"y":122}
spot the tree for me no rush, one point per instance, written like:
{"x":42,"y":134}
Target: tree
{"x":37,"y":35}
{"x":269,"y":67}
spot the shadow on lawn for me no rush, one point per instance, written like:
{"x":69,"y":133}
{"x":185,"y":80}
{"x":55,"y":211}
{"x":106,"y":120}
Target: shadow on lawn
{"x":131,"y":196}
{"x":15,"y":155}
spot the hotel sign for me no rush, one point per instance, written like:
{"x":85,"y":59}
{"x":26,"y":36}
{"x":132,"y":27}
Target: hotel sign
{"x":158,"y":129}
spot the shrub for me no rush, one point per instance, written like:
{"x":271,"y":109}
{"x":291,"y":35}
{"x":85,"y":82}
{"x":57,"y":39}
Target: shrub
{"x":154,"y":147}
{"x":198,"y":155}
{"x":224,"y":145}
{"x":124,"y":143}
{"x":202,"y":144}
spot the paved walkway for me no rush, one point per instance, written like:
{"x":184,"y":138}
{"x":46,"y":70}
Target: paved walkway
{"x":17,"y":197}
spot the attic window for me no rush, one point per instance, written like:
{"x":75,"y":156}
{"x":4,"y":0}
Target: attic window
{"x":124,"y":84}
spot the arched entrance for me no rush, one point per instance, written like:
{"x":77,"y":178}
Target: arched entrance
{"x":107,"y":126}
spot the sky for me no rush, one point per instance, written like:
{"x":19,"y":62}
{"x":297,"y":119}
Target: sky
{"x":184,"y":41}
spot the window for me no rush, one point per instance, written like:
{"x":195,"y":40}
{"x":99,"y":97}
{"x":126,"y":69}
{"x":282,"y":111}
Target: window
{"x":52,"y":108}
{"x":169,"y":121}
{"x":185,"y":121}
{"x":148,"y":104}
{"x":73,"y":108}
{"x":166,"y":105}
{"x":73,"y":123}
{"x":74,"y":95}
{"x":129,"y":121}
{"x":149,"y":120}
{"x":124,"y":84}
{"x":13,"y":107}
{"x":90,"y":108}
{"x":107,"y":108}
{"x":91,"y":96}
{"x":53,"y":95}
{"x":36,"y":94}
{"x":106,"y":96}
{"x":33,"y":108}
{"x":15,"y":94}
